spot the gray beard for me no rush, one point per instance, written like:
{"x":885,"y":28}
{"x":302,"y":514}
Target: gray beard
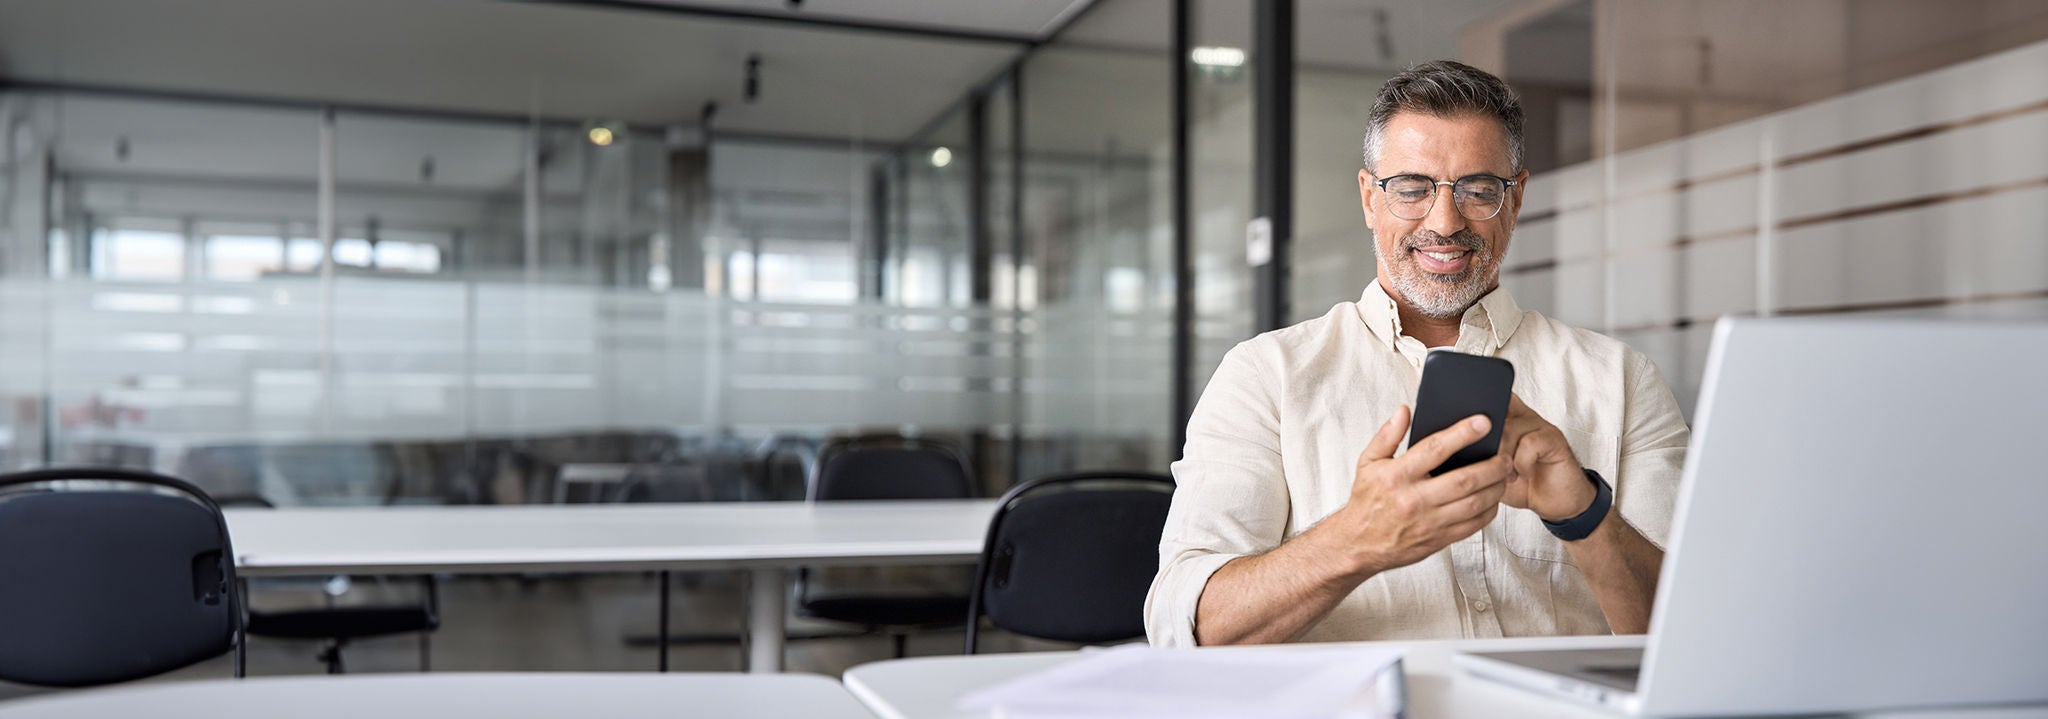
{"x":1434,"y":295}
{"x":1439,"y":296}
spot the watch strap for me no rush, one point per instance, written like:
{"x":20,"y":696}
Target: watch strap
{"x":1582,"y":526}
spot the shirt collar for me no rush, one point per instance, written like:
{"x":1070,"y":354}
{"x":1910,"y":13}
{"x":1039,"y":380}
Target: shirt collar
{"x":1496,"y":313}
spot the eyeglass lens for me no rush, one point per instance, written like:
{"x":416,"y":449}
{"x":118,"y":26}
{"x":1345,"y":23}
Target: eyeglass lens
{"x":1477,"y":198}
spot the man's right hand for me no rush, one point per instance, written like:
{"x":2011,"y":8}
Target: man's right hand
{"x":1398,"y":514}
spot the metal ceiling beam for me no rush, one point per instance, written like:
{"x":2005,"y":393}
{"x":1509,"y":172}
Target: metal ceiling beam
{"x":824,"y":22}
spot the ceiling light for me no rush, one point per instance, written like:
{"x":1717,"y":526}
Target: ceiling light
{"x":1217,"y":56}
{"x":942,"y":157}
{"x":600,"y":136}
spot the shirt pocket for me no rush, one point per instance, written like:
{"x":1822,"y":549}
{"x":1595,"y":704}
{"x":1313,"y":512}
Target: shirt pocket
{"x":1598,"y":452}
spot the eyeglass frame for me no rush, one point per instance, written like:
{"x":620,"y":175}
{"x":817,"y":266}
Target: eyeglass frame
{"x":1506,"y":185}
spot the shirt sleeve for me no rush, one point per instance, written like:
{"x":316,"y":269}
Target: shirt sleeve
{"x":1231,"y":494}
{"x":1653,"y":442}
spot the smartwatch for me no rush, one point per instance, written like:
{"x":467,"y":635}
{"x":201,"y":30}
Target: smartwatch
{"x":1582,"y":526}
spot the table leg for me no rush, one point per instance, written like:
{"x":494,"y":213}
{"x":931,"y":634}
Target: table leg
{"x":767,"y":600}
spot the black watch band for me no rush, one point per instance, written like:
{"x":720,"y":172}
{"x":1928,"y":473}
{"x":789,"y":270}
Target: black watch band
{"x":1582,"y":526}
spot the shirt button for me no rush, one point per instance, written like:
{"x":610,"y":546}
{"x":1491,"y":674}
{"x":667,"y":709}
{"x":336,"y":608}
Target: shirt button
{"x":1481,"y":606}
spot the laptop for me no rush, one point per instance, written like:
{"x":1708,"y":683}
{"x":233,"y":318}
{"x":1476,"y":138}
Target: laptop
{"x":1858,"y":528}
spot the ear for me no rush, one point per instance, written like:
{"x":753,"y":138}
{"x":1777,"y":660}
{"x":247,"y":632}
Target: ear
{"x":1367,"y":192}
{"x":1514,"y":210}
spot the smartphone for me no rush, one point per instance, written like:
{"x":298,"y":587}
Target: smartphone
{"x":1456,"y":386}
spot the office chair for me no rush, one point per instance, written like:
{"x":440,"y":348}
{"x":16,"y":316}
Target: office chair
{"x":1070,"y":558}
{"x":341,"y":624}
{"x":887,"y":468}
{"x":100,"y":584}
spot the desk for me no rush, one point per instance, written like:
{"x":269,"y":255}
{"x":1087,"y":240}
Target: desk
{"x":767,"y":539}
{"x":928,"y":687}
{"x":506,"y":696}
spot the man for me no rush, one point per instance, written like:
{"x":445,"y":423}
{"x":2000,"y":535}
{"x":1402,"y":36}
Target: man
{"x":1298,"y":518}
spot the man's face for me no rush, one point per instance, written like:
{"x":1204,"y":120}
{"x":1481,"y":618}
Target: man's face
{"x":1442,"y":263}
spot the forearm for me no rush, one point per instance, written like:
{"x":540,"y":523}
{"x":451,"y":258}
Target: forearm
{"x":1274,"y":597}
{"x":1622,"y":568}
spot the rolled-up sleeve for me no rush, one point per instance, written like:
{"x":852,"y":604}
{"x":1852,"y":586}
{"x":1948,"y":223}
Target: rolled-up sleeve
{"x":1653,"y":443}
{"x":1231,"y":493}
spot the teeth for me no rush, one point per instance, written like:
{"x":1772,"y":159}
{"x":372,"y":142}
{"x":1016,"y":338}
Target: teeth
{"x":1445,"y":256}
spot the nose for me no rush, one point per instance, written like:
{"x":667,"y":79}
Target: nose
{"x":1444,"y":219}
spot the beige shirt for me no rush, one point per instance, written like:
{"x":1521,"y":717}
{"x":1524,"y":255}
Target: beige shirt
{"x":1273,"y":443}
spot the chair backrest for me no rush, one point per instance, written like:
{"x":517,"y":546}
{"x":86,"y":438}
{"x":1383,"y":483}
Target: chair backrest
{"x":890,"y":468}
{"x":1070,"y":558}
{"x":101,"y":585}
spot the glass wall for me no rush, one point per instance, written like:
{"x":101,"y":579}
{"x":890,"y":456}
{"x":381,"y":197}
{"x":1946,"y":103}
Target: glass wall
{"x":361,"y":304}
{"x":1220,"y":135}
{"x":1097,"y":246}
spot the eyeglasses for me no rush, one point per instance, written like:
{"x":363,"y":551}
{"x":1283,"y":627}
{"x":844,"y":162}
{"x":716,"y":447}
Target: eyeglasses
{"x":1478,"y":197}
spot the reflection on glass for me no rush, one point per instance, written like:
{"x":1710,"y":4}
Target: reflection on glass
{"x":132,"y":254}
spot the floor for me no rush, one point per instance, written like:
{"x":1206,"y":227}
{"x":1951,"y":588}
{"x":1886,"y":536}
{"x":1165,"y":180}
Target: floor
{"x":572,"y":623}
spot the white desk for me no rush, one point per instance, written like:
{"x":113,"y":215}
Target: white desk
{"x":767,"y":539}
{"x":928,"y":687}
{"x":500,"y":696}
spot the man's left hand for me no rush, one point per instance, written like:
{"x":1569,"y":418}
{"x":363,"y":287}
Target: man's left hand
{"x":1546,"y":477}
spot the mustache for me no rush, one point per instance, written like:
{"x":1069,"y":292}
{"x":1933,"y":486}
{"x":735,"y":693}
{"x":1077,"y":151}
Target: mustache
{"x":1463,"y":239}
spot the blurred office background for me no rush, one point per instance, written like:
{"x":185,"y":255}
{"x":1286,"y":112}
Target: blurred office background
{"x":386,"y":252}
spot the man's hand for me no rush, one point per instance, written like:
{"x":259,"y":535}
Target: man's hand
{"x":1398,"y":514}
{"x":1547,"y":478}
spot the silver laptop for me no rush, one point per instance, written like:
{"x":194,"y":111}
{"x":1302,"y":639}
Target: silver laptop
{"x":1859,"y":527}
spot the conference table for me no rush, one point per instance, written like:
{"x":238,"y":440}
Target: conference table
{"x":767,"y":540}
{"x":499,"y":696}
{"x":929,"y":687}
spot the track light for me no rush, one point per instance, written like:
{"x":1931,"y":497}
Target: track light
{"x":753,"y":77}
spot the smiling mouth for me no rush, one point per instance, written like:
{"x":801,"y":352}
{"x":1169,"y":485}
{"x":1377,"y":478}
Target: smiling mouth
{"x":1442,"y":259}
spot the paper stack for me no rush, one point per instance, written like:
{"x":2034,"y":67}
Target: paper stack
{"x":1136,"y":681}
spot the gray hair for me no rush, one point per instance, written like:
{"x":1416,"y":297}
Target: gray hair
{"x":1445,"y":88}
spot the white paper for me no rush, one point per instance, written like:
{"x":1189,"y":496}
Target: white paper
{"x":1142,"y":681}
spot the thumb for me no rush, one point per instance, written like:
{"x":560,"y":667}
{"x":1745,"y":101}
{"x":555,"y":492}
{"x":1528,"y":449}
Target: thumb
{"x":1388,"y":439}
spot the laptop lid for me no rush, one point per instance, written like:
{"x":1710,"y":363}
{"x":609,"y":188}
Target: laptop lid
{"x":1859,"y":524}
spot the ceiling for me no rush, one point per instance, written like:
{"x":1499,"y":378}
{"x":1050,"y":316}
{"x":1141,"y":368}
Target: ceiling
{"x":600,"y":63}
{"x":1376,"y":35}
{"x":1101,"y":88}
{"x":654,"y":62}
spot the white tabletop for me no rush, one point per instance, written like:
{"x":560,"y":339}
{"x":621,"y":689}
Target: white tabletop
{"x":402,"y":540}
{"x":499,"y":696}
{"x":928,"y":687}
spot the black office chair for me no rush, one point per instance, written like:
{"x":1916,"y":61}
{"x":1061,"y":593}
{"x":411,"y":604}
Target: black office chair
{"x":103,"y":583}
{"x":340,"y":624}
{"x":1070,"y":558}
{"x":888,"y":468}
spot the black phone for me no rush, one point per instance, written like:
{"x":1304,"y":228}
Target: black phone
{"x":1456,"y":386}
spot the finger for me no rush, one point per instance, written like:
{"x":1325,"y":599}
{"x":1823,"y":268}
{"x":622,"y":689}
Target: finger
{"x":1425,"y":455}
{"x":1471,"y":526}
{"x":1388,"y":438}
{"x":1515,"y":491}
{"x":1464,"y":481}
{"x":1511,"y":437}
{"x":1467,"y":508}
